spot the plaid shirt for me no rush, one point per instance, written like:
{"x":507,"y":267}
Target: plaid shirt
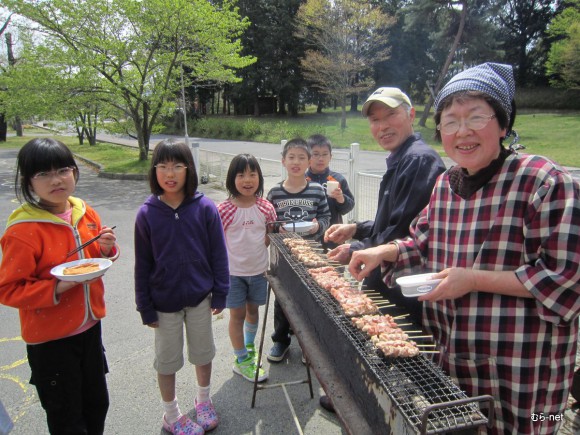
{"x":521,"y":351}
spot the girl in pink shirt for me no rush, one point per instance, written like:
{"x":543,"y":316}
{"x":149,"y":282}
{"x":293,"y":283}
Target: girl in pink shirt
{"x":245,"y":217}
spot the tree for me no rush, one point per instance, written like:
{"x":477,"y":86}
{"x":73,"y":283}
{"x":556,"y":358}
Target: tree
{"x":139,"y":47}
{"x":563,"y":64}
{"x":3,"y":123}
{"x":276,"y":74}
{"x":523,"y":24}
{"x":345,"y":39}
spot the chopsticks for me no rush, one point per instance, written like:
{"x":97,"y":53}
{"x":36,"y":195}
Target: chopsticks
{"x":87,"y":243}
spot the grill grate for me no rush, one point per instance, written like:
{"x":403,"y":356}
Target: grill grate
{"x":423,"y":394}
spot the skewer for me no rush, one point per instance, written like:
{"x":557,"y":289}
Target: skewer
{"x":385,"y":306}
{"x":418,"y":336}
{"x":429,"y":351}
{"x":412,"y":332}
{"x":402,"y":316}
{"x":425,"y":345}
{"x":407,"y":324}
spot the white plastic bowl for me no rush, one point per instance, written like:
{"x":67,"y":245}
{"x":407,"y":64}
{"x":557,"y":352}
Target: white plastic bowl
{"x":298,"y":227}
{"x":417,"y":285}
{"x":103,"y":263}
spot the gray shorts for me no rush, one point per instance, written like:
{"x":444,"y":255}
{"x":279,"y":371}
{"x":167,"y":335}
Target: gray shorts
{"x":169,"y":338}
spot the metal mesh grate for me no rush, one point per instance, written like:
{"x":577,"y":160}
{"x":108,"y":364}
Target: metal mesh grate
{"x":414,"y":384}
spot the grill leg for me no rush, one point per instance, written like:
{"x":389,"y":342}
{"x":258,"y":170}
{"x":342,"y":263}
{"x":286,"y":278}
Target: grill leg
{"x":261,"y":347}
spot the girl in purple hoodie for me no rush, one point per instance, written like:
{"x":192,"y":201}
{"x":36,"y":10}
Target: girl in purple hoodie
{"x":181,"y":279}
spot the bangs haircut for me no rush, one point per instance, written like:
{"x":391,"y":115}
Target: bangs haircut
{"x":319,"y":140}
{"x":40,"y":155}
{"x":462,"y":96}
{"x":297,"y":143}
{"x":238,"y":165}
{"x":173,"y":151}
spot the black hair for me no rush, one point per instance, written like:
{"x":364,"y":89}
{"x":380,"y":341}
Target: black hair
{"x":502,"y":117}
{"x":40,"y":155}
{"x":296,"y":143}
{"x":238,"y":165}
{"x":172,"y":150}
{"x":319,"y":140}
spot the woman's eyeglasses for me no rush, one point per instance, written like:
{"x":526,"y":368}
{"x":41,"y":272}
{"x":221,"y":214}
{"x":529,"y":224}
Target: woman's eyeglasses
{"x":48,"y":175}
{"x":476,"y":122}
{"x":177,"y":169}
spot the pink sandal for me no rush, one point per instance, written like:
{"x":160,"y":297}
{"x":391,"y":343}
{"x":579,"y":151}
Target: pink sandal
{"x":206,"y":416}
{"x":183,"y":426}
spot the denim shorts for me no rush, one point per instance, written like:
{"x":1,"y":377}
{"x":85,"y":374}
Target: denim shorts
{"x":247,"y":289}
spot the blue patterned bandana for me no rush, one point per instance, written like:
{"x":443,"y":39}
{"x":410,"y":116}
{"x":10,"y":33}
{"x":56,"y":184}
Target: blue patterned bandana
{"x":493,"y":79}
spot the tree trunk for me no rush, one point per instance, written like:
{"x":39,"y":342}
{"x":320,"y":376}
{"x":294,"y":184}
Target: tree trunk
{"x":3,"y":128}
{"x":343,"y":114}
{"x":445,"y":68}
{"x":18,"y":126}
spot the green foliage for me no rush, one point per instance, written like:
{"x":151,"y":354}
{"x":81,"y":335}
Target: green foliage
{"x":130,"y":54}
{"x":563,"y":64}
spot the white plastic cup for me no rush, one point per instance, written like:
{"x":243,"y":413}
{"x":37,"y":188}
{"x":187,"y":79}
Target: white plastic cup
{"x":331,"y":186}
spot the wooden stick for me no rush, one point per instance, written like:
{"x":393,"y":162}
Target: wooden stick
{"x":402,"y":316}
{"x":425,"y":345}
{"x":429,"y":351}
{"x":418,"y":336}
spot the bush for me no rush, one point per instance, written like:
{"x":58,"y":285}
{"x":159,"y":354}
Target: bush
{"x":547,"y":99}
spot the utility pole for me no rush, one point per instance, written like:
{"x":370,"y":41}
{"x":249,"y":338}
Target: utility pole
{"x":195,"y":147}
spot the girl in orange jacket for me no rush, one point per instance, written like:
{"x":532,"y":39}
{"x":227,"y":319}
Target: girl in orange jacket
{"x":60,"y":320}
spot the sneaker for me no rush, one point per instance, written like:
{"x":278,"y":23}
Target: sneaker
{"x":206,"y":416}
{"x":278,"y":352}
{"x":183,"y":426}
{"x":251,"y":348}
{"x":252,"y":352}
{"x":247,"y":369}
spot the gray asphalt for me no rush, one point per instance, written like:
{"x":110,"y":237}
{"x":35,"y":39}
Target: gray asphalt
{"x":135,"y":401}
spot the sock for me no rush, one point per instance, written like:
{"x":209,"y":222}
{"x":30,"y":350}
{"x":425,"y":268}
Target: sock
{"x":172,"y":412}
{"x":250,"y":330}
{"x":202,"y":394}
{"x":241,"y":354}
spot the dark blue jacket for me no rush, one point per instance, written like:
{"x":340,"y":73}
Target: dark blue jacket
{"x":180,"y":256}
{"x":405,"y":190}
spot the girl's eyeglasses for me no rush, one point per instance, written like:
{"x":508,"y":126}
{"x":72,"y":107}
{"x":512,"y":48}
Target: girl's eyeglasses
{"x":48,"y":175}
{"x":177,"y":169}
{"x":476,"y":122}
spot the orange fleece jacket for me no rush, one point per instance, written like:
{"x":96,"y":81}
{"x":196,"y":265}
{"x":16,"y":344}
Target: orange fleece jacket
{"x":34,"y":242}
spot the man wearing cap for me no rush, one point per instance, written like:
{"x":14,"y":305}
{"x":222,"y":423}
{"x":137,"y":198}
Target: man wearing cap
{"x":412,"y":168}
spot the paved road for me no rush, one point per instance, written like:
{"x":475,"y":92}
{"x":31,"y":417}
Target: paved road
{"x":369,"y":161}
{"x":135,"y":401}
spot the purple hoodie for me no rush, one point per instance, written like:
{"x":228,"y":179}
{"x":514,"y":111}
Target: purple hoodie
{"x":180,"y":256}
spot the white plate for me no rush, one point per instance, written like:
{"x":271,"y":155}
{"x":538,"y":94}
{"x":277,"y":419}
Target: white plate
{"x":298,"y":227}
{"x":104,"y":264}
{"x":417,"y":285}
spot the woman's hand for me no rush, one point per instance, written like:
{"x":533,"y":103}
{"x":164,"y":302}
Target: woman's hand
{"x":107,"y":240}
{"x":365,"y":261}
{"x":216,"y":311}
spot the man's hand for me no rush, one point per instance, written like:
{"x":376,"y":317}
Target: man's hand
{"x":340,"y":254}
{"x":340,"y":233}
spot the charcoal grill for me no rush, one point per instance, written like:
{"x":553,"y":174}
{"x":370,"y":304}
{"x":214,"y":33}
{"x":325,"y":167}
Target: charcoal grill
{"x":371,"y":393}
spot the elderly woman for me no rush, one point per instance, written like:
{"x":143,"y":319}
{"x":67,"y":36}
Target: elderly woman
{"x":502,"y":230}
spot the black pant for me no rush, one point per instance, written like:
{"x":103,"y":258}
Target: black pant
{"x":281,"y":332}
{"x":408,"y":305}
{"x":69,"y":375}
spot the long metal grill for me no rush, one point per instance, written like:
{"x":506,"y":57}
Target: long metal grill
{"x":425,"y":396}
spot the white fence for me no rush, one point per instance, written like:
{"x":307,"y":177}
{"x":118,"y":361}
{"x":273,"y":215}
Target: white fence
{"x":213,"y":166}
